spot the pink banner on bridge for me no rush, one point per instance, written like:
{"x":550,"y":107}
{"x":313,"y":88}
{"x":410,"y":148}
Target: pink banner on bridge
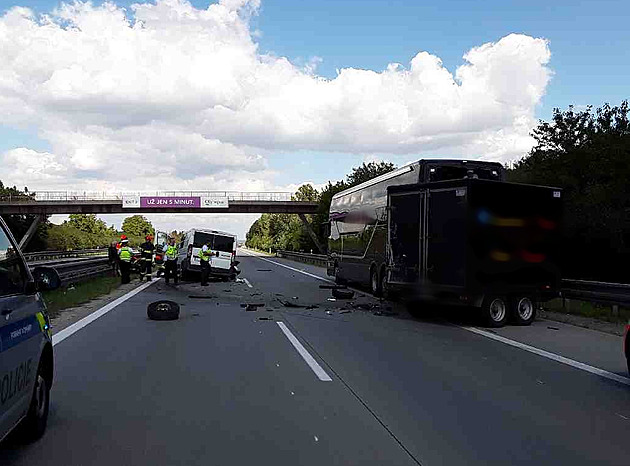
{"x":170,"y":201}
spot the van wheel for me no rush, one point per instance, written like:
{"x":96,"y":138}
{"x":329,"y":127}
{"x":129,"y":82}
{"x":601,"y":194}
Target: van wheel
{"x":523,"y":310}
{"x":385,"y":291}
{"x":34,"y":424}
{"x":375,"y":283}
{"x":494,"y":311}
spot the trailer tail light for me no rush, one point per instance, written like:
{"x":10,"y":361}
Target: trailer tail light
{"x":189,"y":252}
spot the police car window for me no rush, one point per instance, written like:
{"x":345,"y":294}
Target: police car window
{"x":12,"y":273}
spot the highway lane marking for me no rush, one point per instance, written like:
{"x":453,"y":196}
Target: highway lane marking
{"x":314,"y":365}
{"x":247,"y":282}
{"x":68,"y":331}
{"x":507,"y":341}
{"x":552,"y":356}
{"x":290,"y":268}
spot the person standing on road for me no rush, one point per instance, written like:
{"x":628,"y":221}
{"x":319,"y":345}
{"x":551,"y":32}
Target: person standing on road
{"x":112,"y":255}
{"x":171,"y":261}
{"x":146,"y":251}
{"x":124,"y":253}
{"x":204,"y":258}
{"x":159,"y":260}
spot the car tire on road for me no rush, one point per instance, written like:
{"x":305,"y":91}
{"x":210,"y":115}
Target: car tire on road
{"x":163,"y":310}
{"x":494,"y":310}
{"x":33,"y":425}
{"x":339,"y":280}
{"x":522,"y":310}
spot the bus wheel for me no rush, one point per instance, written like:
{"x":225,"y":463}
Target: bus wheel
{"x":338,"y":279}
{"x":494,"y":311}
{"x":375,"y":283}
{"x":523,"y":310}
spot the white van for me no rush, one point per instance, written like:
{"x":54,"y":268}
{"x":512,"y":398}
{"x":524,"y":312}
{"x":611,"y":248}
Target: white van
{"x":223,"y":246}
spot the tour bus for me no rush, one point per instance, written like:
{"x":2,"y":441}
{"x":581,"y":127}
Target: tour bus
{"x":223,"y":246}
{"x":451,"y":231}
{"x":358,"y":216}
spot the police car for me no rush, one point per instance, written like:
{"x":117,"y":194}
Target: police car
{"x":26,"y":350}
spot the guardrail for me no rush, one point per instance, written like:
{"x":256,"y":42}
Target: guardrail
{"x":315,"y":259}
{"x":55,"y":255}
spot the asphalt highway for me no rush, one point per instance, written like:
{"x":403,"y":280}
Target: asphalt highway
{"x":309,"y":381}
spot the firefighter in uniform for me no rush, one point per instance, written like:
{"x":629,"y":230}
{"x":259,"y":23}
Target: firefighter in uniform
{"x":204,"y":258}
{"x":146,"y":250}
{"x":124,"y":254}
{"x":171,"y":261}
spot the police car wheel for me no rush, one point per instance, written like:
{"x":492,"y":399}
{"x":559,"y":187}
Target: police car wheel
{"x":163,"y":310}
{"x":34,"y":424}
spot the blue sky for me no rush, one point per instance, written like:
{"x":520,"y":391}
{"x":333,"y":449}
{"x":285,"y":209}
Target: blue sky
{"x":588,"y":40}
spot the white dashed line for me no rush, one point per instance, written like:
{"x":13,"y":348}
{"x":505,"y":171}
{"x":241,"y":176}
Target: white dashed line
{"x":247,"y":282}
{"x":319,"y":372}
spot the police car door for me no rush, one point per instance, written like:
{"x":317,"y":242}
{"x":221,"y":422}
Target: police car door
{"x":20,"y":335}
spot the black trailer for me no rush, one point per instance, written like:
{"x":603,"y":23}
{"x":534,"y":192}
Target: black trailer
{"x":489,"y":244}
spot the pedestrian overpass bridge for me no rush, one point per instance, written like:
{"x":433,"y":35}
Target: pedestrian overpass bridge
{"x":44,"y":203}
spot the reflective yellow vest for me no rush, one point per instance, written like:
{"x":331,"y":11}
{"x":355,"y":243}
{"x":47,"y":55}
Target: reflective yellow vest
{"x":205,"y":256}
{"x":171,"y":252}
{"x":125,"y":254}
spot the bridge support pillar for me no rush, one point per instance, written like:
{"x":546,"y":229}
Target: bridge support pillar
{"x":311,"y":233}
{"x":30,"y":232}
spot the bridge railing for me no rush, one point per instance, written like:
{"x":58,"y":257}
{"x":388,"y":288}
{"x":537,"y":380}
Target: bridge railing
{"x":60,"y":196}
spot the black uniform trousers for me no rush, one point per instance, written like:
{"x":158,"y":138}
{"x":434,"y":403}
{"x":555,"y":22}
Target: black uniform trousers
{"x":170,"y":270}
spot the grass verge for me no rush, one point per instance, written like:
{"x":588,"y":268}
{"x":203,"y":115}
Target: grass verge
{"x":79,"y":293}
{"x":602,"y":312}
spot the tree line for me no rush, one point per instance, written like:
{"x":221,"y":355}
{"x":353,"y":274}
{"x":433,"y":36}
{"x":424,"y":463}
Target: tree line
{"x":585,"y":152}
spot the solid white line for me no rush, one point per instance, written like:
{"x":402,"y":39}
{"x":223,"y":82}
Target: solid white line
{"x":552,"y":356}
{"x":319,"y":372}
{"x":292,"y":268}
{"x":66,"y":332}
{"x":247,"y":282}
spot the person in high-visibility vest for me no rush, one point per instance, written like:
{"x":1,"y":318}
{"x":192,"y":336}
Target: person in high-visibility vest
{"x":171,"y":261}
{"x":124,"y":253}
{"x":146,"y":250}
{"x":204,"y":258}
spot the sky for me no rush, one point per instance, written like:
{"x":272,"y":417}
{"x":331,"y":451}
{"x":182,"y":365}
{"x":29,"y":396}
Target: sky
{"x":264,"y":95}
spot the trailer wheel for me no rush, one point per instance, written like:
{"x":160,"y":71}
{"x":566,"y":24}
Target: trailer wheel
{"x":375,"y":283}
{"x":495,"y":311}
{"x":523,"y":311}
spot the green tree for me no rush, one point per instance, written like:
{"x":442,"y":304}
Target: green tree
{"x":588,"y":155}
{"x":137,"y":225}
{"x":87,"y":223}
{"x":367,"y":171}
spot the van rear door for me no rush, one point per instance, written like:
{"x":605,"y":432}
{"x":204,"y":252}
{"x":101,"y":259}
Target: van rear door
{"x":224,"y":246}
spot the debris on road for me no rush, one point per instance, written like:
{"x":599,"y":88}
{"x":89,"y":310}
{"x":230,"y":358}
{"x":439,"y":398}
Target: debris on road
{"x":163,"y":310}
{"x":202,"y":296}
{"x":332,"y":299}
{"x":329,"y":313}
{"x":290,"y":304}
{"x":345,"y":312}
{"x":252,"y":306}
{"x":385,"y":313}
{"x":264,"y":270}
{"x":342,"y":294}
{"x":265,"y":318}
{"x":553,"y":328}
{"x":333,"y":287}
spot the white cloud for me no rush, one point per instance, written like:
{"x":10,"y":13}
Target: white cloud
{"x":165,"y":95}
